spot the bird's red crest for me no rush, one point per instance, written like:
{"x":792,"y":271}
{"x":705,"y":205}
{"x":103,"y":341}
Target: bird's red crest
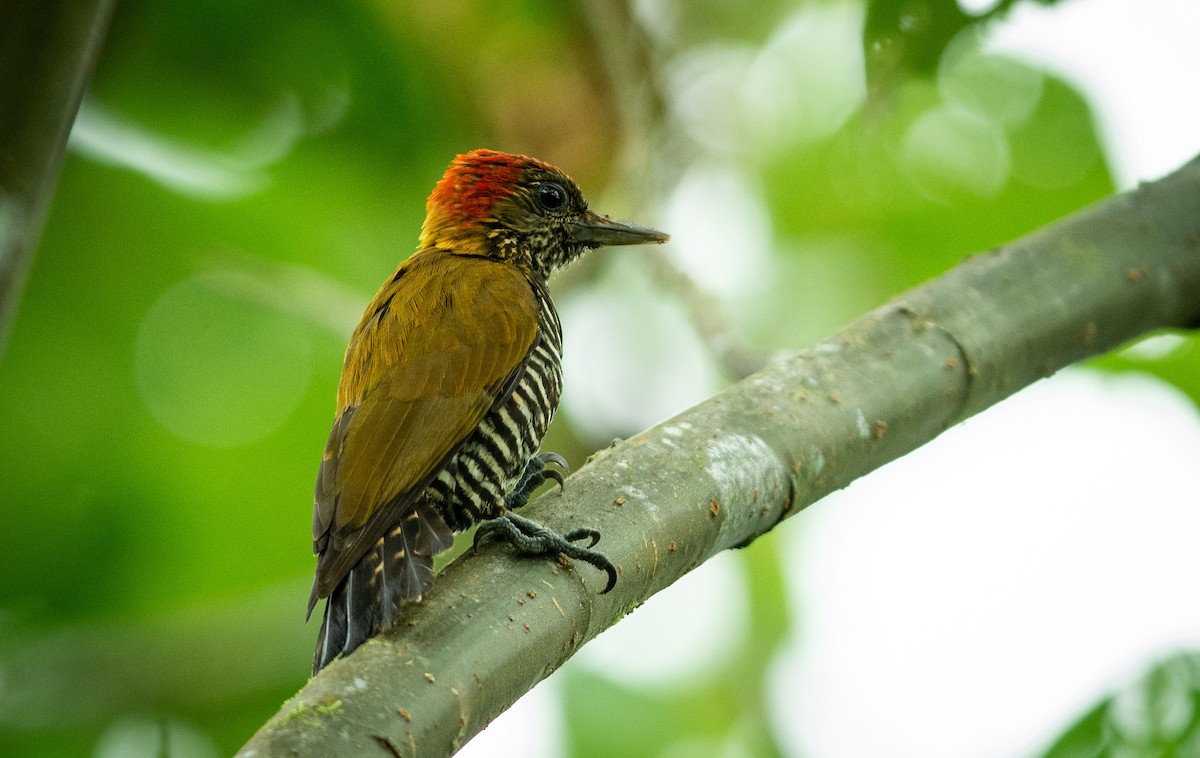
{"x":475,"y":180}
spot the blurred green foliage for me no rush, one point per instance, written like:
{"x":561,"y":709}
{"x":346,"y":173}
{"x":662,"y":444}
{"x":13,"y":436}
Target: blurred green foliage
{"x":244,"y":174}
{"x":1156,"y":715}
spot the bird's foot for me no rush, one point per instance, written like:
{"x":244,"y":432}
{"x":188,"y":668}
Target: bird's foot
{"x":532,"y":538}
{"x":536,"y":472}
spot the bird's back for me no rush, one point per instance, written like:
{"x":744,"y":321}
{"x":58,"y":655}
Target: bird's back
{"x":441,"y":395}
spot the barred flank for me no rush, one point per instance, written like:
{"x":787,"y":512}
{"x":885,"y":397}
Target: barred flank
{"x":473,"y":484}
{"x":469,"y":488}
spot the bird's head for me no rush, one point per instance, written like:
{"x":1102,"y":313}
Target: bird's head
{"x":518,"y":209}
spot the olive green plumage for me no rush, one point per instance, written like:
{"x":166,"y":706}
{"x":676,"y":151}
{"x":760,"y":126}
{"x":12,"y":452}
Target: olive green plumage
{"x":449,"y":384}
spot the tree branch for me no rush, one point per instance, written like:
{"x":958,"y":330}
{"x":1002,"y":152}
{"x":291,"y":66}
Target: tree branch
{"x":729,"y":469}
{"x":47,"y":50}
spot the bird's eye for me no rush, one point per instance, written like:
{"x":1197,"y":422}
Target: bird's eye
{"x":551,"y":196}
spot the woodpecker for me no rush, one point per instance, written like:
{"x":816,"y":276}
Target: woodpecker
{"x":449,"y":383}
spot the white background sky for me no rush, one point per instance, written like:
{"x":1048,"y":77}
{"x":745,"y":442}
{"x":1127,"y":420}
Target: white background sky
{"x":976,"y":596}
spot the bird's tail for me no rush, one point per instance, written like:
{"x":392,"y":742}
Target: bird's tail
{"x":397,"y":570}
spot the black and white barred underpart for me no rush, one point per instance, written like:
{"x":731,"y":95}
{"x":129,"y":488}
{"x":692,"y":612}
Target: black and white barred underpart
{"x":470,"y":487}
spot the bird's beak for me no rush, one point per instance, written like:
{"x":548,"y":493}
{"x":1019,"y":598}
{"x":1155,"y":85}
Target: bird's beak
{"x":594,"y":230}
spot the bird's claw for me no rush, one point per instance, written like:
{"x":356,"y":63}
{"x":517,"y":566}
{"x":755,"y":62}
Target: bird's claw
{"x":583,"y":533}
{"x":556,"y":475}
{"x":536,"y":472}
{"x":486,"y":528}
{"x":532,"y":538}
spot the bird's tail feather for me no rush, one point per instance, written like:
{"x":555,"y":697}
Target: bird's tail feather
{"x":397,"y":570}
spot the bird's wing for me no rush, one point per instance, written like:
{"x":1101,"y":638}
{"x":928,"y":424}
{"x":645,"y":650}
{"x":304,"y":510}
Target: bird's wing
{"x":442,"y":342}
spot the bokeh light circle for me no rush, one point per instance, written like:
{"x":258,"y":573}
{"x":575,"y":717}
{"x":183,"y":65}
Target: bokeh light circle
{"x":217,"y":367}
